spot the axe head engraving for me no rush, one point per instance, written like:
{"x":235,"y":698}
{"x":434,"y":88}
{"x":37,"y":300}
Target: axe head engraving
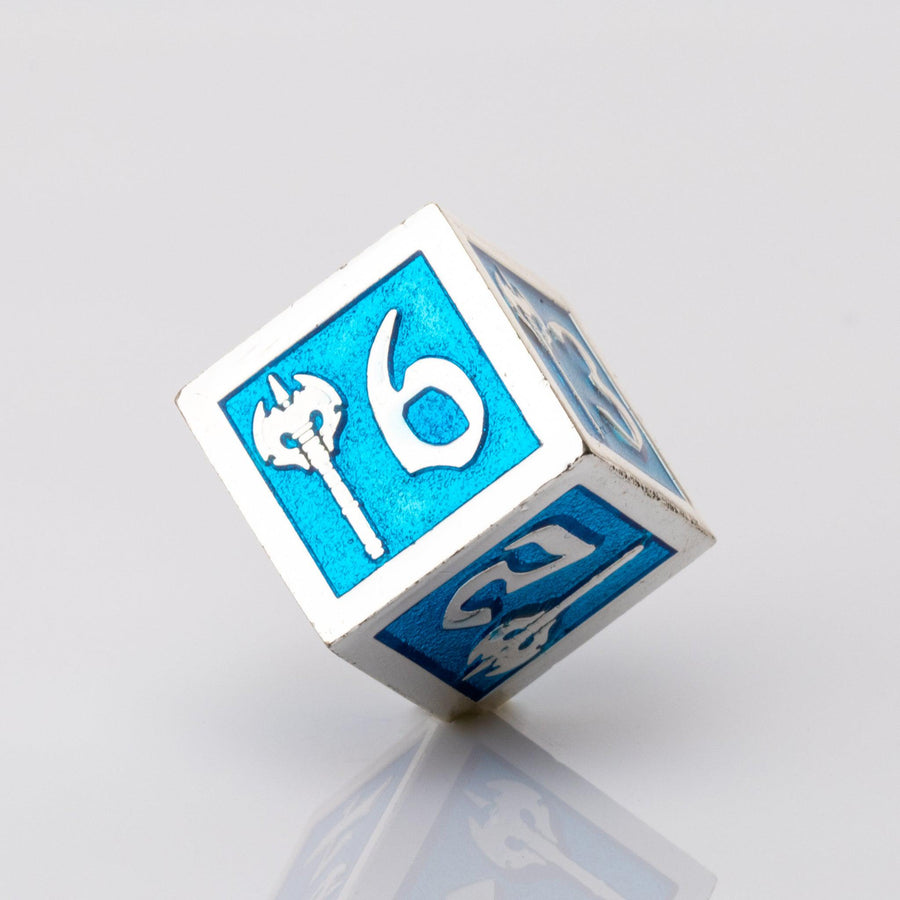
{"x":314,"y":408}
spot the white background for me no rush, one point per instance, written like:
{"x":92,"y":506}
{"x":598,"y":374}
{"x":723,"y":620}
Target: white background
{"x":715,"y":188}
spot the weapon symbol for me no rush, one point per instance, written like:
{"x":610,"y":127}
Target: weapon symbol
{"x":517,"y":833}
{"x":517,"y":640}
{"x":299,"y":432}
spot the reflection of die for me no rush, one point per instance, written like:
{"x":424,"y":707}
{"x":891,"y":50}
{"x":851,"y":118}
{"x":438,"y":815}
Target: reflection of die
{"x":476,"y":811}
{"x":442,"y":470}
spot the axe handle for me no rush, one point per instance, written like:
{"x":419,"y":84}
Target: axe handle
{"x":556,"y":611}
{"x":320,"y":460}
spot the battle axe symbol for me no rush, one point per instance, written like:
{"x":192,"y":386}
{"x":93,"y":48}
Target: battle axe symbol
{"x":516,"y":833}
{"x":299,"y":433}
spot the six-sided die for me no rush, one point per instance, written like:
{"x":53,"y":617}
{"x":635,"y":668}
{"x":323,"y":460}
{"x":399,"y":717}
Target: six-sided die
{"x":441,"y":468}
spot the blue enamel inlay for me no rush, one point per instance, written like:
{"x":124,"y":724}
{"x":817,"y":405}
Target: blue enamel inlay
{"x":578,"y":373}
{"x":604,"y":539}
{"x":435,"y":417}
{"x":400,"y":507}
{"x":494,"y":827}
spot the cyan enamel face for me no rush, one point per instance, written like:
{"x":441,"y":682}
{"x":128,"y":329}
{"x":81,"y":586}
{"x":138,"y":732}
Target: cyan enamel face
{"x":578,"y":373}
{"x":509,"y":836}
{"x":526,"y":593}
{"x":379,"y":424}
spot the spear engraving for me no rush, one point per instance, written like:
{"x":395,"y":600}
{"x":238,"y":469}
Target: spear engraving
{"x":298,"y":432}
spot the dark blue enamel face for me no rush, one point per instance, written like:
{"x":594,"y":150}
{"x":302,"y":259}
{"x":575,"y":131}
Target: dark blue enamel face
{"x":526,"y":593}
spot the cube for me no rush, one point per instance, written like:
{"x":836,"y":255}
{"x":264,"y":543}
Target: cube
{"x":476,"y":811}
{"x":441,"y":468}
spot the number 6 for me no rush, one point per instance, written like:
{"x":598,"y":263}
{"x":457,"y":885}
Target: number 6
{"x":390,"y":405}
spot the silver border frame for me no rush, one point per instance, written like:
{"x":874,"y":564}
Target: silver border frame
{"x":429,"y":232}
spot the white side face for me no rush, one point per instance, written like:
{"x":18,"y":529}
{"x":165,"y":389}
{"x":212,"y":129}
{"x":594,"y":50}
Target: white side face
{"x":379,"y":424}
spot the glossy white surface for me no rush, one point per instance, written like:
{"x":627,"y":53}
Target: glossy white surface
{"x":715,"y":189}
{"x":473,"y":810}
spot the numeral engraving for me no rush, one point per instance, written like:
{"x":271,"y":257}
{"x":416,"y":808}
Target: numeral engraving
{"x":517,"y":639}
{"x":554,"y":539}
{"x":390,"y":404}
